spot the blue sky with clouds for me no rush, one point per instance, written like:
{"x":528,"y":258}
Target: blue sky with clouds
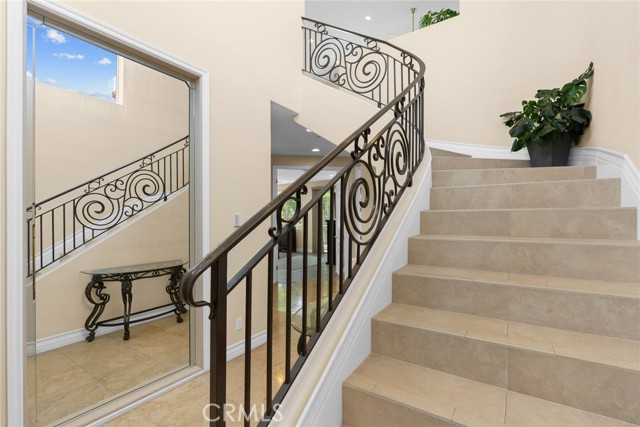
{"x":70,"y":63}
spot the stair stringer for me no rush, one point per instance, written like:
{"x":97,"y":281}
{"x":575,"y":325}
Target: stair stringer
{"x":315,"y":399}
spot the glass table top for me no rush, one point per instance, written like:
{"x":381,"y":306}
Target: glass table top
{"x":139,"y":268}
{"x":296,"y":318}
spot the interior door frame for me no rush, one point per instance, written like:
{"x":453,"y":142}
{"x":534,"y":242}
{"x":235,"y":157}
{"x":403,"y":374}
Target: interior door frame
{"x":17,"y":168}
{"x":274,"y":193}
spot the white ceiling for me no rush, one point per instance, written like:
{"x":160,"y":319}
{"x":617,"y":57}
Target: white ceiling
{"x":388,"y":18}
{"x":287,"y":176}
{"x":288,"y":138}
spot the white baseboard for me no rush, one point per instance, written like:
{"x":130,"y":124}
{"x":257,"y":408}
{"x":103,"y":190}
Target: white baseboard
{"x":324,"y":406}
{"x":64,"y":259}
{"x":237,"y":349}
{"x":79,"y":335}
{"x":612,"y":164}
{"x":479,"y":151}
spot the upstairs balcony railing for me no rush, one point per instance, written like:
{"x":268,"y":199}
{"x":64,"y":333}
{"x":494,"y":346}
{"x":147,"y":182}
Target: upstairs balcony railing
{"x":383,"y":154}
{"x":66,"y":221}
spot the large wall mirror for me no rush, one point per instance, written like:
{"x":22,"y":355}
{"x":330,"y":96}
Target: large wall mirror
{"x":108,"y":223}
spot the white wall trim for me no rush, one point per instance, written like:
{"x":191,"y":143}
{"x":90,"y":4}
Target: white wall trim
{"x":479,"y":151}
{"x":15,"y":212}
{"x":323,"y":406}
{"x":611,"y":164}
{"x":58,"y":248}
{"x":80,"y":335}
{"x":237,"y":349}
{"x":15,"y":113}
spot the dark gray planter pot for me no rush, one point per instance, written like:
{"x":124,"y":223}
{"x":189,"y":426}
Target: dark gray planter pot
{"x":554,"y":154}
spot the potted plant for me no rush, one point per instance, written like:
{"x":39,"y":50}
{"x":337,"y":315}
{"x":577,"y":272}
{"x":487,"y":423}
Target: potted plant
{"x":551,"y":123}
{"x":433,"y":17}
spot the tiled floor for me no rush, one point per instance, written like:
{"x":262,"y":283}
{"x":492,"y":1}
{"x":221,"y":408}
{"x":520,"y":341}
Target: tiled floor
{"x":192,"y":397}
{"x":85,"y":374}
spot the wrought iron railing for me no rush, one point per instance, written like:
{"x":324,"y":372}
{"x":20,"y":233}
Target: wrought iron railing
{"x":384,"y":153}
{"x":66,"y":221}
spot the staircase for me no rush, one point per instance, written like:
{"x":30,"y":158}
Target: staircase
{"x":520,"y":305}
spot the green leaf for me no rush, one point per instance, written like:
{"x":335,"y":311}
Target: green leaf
{"x":520,"y":127}
{"x":547,"y":93}
{"x":573,"y":92}
{"x":517,"y":145}
{"x":587,"y":74}
{"x":546,"y":129}
{"x":433,"y":17}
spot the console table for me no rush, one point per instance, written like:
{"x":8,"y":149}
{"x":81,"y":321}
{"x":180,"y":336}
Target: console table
{"x":95,"y":293}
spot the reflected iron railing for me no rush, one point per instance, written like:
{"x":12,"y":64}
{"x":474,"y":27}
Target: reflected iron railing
{"x":382,"y":156}
{"x":68,"y":220}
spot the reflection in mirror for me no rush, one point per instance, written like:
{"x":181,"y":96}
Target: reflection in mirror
{"x":110,"y":226}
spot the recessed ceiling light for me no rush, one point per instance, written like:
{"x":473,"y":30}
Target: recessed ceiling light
{"x":315,"y":150}
{"x":308,"y":130}
{"x":367,"y":18}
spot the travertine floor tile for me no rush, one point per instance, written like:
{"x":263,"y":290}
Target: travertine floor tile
{"x":527,"y":411}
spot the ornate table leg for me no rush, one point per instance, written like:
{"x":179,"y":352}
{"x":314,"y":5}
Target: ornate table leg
{"x":174,"y":294}
{"x":99,"y":301}
{"x":127,"y":298}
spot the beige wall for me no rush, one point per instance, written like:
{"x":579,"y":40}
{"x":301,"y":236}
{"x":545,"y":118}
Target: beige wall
{"x":3,"y":240}
{"x":497,"y":53}
{"x":79,"y":137}
{"x":160,"y":234}
{"x":332,"y":114}
{"x":252,"y":51}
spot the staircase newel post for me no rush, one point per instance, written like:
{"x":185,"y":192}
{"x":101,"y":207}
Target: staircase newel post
{"x":218,"y":356}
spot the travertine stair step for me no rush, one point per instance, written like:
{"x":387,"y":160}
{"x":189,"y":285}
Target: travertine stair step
{"x":554,"y":194}
{"x":586,"y":223}
{"x":585,"y":371}
{"x":388,"y":392}
{"x":451,"y":163}
{"x":589,"y":306}
{"x":457,"y":178}
{"x":597,"y":259}
{"x":436,"y":152}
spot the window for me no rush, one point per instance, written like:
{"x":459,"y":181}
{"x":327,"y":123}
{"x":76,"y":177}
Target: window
{"x":64,"y":61}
